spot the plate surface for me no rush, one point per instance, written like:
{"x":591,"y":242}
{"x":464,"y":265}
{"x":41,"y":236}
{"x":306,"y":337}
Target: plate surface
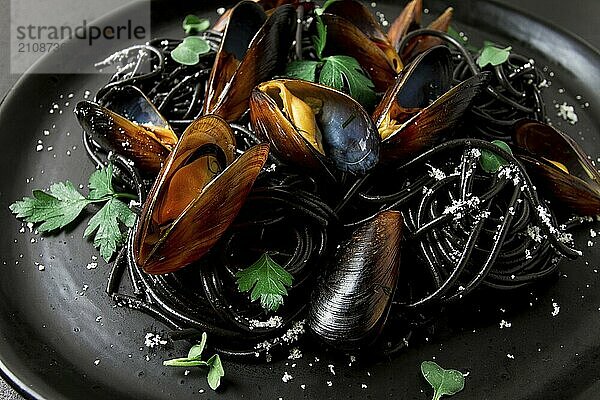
{"x":62,"y":338}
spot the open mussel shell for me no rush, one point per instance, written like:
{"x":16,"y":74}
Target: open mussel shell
{"x":129,"y":125}
{"x":252,"y":51}
{"x":359,"y":15}
{"x":420,"y":44}
{"x":422,"y":105}
{"x":351,"y":301}
{"x":310,"y":125}
{"x":410,"y":20}
{"x":196,"y":196}
{"x":268,"y":6}
{"x":559,"y":166}
{"x":343,"y":37}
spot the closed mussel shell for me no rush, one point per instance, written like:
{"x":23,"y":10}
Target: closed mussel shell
{"x":351,"y":301}
{"x":559,"y":166}
{"x":252,"y":51}
{"x":196,"y":196}
{"x":310,"y":125}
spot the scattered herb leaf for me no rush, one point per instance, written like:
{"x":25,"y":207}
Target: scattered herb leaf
{"x":194,"y":359}
{"x":344,"y":73}
{"x":196,"y":350}
{"x":192,"y":23}
{"x":490,"y":162}
{"x":54,"y":210}
{"x":452,"y":32}
{"x":63,"y":204}
{"x":303,"y":69}
{"x":268,"y":281}
{"x":106,"y":225}
{"x":215,"y":372}
{"x":492,"y":55}
{"x":444,"y":381}
{"x":320,"y":39}
{"x":184,"y":55}
{"x":196,"y":44}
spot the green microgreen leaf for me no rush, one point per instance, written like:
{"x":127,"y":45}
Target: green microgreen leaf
{"x":215,"y":367}
{"x":184,"y":362}
{"x":345,"y":73}
{"x":268,"y":281}
{"x":192,"y":23}
{"x":215,"y":372}
{"x":303,"y":69}
{"x":106,"y":225}
{"x":320,"y":39}
{"x":183,"y":55}
{"x":490,"y":162}
{"x":492,"y":55}
{"x":444,"y":381}
{"x":195,"y":352}
{"x":196,"y":44}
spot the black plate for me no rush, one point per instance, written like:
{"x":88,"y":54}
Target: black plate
{"x":51,"y":336}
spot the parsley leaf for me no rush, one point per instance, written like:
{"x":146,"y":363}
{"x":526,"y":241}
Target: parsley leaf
{"x":194,"y":359}
{"x":492,"y":55}
{"x":63,"y":204}
{"x":345,"y":74}
{"x":192,"y":23}
{"x":55,"y":210}
{"x":268,"y":281}
{"x":320,"y":39}
{"x":303,"y":69}
{"x":490,"y":162}
{"x":444,"y":381}
{"x":106,"y":222}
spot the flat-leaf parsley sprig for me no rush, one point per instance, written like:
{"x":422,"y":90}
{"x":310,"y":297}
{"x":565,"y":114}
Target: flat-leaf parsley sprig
{"x":340,"y":72}
{"x":62,"y":204}
{"x":267,"y":280}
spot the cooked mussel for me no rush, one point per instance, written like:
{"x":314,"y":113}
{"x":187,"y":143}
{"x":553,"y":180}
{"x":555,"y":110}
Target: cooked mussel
{"x":351,"y":302}
{"x":310,"y":125}
{"x":343,"y":37}
{"x":410,"y":20}
{"x":559,"y":166}
{"x":130,"y":125}
{"x":253,"y":49}
{"x":359,"y":15}
{"x":422,"y":105}
{"x":196,"y":196}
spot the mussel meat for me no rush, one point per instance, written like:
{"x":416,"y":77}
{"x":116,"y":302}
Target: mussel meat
{"x":422,"y":105}
{"x":253,"y":49}
{"x":311,"y":125}
{"x":559,"y":166}
{"x":351,"y":302}
{"x":129,"y":125}
{"x":196,"y":196}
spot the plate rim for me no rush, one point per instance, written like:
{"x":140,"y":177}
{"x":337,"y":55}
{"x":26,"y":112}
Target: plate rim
{"x":11,"y":376}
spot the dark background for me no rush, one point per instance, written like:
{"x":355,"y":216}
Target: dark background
{"x":578,"y":16}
